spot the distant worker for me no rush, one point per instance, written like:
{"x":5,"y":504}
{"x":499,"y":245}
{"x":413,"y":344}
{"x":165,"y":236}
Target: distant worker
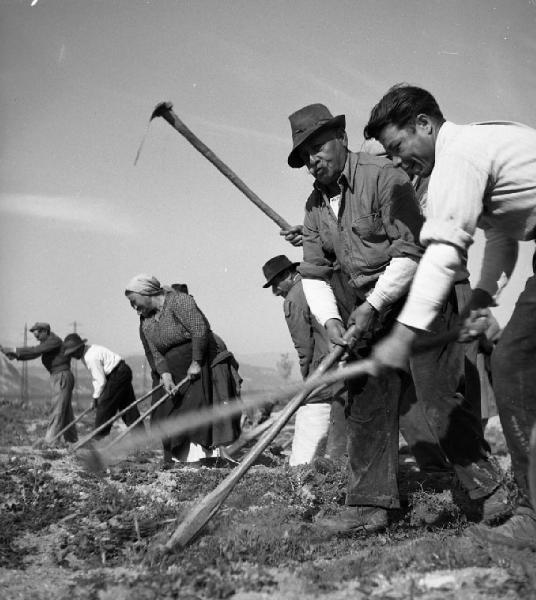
{"x":320,"y":423}
{"x":61,"y":378}
{"x":112,"y":381}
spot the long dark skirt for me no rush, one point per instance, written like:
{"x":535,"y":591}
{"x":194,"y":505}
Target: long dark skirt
{"x":195,"y":396}
{"x":226,"y":388}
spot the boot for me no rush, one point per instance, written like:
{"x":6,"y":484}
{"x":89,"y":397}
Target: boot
{"x":369,"y":519}
{"x":518,"y":532}
{"x":496,"y":505}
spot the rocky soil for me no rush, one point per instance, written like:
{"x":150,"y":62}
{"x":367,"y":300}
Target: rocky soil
{"x":68,"y":533}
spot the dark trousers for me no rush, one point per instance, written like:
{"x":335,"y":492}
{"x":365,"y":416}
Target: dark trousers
{"x":336,"y":443}
{"x":443,"y":416}
{"x":62,"y":384}
{"x":435,"y":417}
{"x":513,"y":366}
{"x":116,"y":395}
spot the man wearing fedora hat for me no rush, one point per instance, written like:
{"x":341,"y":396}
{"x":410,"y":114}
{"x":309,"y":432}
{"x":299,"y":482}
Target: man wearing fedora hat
{"x":360,"y":253}
{"x":61,"y":378}
{"x":319,"y":426}
{"x":112,"y":381}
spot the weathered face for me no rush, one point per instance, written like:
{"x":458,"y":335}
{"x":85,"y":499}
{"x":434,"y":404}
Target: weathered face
{"x":411,"y":147}
{"x":324,"y":154}
{"x":143,"y":305}
{"x":281,"y":284}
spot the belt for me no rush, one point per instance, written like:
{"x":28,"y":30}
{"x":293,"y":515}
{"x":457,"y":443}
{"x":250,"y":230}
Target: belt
{"x":119,"y":364}
{"x":56,"y":370}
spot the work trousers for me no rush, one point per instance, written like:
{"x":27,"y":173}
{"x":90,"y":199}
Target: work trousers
{"x":430,"y":409}
{"x":61,"y":415}
{"x":513,"y":367}
{"x":310,"y":433}
{"x":444,"y":416}
{"x":116,"y":395}
{"x":336,"y":443}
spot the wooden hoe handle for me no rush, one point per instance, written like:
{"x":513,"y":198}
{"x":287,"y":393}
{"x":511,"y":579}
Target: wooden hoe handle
{"x":165,"y":110}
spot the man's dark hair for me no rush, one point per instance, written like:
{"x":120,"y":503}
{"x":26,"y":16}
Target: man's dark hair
{"x":400,"y":107}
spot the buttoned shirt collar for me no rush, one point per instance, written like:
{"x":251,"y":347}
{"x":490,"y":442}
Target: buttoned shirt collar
{"x":347,"y":177}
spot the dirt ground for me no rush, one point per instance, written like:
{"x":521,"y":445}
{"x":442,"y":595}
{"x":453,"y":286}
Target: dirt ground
{"x":66,"y":533}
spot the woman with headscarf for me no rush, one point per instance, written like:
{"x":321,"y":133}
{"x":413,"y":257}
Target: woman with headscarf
{"x":181,"y":343}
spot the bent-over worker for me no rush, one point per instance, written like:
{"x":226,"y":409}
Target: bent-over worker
{"x":111,"y":378}
{"x":481,"y":175}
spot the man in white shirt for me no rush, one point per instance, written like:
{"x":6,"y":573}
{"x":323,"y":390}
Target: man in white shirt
{"x":481,"y":175}
{"x":112,"y":381}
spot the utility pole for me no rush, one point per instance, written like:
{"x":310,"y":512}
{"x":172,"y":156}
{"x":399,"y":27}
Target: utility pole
{"x":24,"y":372}
{"x":75,"y":366}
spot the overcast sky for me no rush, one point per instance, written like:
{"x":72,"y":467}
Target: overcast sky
{"x":79,"y":79}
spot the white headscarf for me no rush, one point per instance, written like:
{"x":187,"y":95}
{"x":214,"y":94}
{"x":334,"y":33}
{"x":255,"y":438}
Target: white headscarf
{"x":145,"y":285}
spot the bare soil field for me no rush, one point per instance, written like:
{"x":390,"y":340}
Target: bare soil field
{"x":67,"y":533}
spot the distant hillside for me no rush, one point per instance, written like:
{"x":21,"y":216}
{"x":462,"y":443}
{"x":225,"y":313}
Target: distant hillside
{"x":269,"y":360}
{"x":255,"y":377}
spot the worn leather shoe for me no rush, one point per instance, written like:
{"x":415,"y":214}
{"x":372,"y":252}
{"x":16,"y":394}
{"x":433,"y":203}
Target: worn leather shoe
{"x":496,"y":506}
{"x":518,"y":532}
{"x":369,"y":519}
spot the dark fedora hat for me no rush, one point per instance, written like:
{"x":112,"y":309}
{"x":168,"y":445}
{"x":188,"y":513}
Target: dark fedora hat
{"x":71,"y":343}
{"x":274,"y":266}
{"x":307,"y":121}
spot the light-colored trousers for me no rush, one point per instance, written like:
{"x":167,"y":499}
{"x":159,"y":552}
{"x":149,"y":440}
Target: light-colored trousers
{"x":310,"y":432}
{"x":62,"y":384}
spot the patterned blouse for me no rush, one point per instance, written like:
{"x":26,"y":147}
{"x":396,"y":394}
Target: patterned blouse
{"x":179,"y":321}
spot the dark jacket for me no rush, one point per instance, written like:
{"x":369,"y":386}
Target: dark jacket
{"x":50,"y":352}
{"x":308,"y":336}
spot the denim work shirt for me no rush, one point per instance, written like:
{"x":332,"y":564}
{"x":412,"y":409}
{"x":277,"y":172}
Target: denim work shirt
{"x":379,"y":219}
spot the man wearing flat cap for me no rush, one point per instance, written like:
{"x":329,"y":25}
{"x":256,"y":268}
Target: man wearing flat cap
{"x":319,"y":427}
{"x":112,"y":381}
{"x":360,"y":253}
{"x":61,"y":378}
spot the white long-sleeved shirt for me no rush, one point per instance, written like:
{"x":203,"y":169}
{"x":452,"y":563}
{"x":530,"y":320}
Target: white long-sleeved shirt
{"x":484,"y":176}
{"x":100,"y":362}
